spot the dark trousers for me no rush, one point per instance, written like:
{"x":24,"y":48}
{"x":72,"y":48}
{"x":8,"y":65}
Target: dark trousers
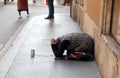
{"x":58,"y":49}
{"x":51,"y":7}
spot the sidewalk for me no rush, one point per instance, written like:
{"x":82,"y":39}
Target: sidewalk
{"x":36,"y":34}
{"x":9,"y":22}
{"x":10,"y":25}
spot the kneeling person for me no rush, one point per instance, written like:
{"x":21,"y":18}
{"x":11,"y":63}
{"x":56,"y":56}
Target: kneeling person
{"x":79,"y":46}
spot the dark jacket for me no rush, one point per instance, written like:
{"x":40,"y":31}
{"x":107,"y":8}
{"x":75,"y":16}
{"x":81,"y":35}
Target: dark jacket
{"x":81,"y":42}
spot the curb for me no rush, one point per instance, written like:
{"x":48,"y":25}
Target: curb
{"x":4,"y":48}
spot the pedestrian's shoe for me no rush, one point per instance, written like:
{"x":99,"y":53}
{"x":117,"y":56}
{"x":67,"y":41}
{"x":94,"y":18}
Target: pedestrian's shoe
{"x":50,"y":17}
{"x":20,"y":17}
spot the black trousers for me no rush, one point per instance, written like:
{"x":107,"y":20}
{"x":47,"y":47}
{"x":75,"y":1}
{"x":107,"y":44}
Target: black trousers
{"x":51,"y":7}
{"x":59,"y":48}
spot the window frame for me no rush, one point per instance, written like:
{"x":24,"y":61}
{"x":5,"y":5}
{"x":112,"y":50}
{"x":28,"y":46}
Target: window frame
{"x":115,"y":20}
{"x":106,"y":21}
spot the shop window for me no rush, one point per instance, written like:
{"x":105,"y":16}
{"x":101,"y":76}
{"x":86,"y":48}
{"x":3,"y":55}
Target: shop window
{"x":115,"y":26}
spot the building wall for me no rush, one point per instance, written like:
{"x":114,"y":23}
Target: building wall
{"x":89,"y":17}
{"x":93,"y":10}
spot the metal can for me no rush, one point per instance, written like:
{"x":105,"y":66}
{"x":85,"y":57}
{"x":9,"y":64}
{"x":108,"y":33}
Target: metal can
{"x":32,"y":53}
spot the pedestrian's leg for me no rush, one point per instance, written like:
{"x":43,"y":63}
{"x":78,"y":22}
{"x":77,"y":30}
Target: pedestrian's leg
{"x":27,"y":11}
{"x":19,"y":14}
{"x":51,"y":8}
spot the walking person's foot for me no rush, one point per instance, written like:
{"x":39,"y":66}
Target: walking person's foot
{"x":50,"y":17}
{"x":20,"y":17}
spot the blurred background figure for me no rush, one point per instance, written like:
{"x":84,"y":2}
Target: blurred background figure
{"x":22,"y":6}
{"x":51,"y":9}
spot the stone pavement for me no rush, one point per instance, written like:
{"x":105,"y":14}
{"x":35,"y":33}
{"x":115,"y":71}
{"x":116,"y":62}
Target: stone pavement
{"x":9,"y":22}
{"x":10,"y":25}
{"x":36,"y":34}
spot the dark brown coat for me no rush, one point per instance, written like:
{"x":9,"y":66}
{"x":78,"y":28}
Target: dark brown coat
{"x":81,"y":42}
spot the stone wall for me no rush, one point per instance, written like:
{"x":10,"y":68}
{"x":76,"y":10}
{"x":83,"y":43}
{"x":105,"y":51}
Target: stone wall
{"x":106,"y":59}
{"x":77,"y":11}
{"x":106,"y":49}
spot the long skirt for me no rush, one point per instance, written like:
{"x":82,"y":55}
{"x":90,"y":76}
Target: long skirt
{"x":22,"y":5}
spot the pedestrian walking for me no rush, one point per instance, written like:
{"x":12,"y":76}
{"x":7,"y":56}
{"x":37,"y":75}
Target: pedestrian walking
{"x":22,"y":6}
{"x":51,"y":9}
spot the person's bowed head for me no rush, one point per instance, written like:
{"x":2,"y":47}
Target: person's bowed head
{"x":53,"y":41}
